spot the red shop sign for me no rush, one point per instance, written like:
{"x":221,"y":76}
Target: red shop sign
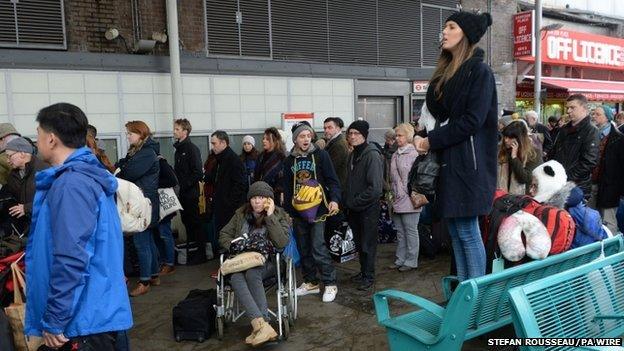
{"x":563,"y":47}
{"x":523,"y":33}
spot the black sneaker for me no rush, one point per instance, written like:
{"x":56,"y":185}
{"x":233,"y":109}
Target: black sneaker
{"x":365,"y":285}
{"x":357,"y":279}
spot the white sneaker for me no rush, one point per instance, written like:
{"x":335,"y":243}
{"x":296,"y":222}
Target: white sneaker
{"x":330,"y":293}
{"x":307,"y":289}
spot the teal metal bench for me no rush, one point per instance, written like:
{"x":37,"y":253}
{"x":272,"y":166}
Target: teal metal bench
{"x":477,"y":306}
{"x":583,"y":302}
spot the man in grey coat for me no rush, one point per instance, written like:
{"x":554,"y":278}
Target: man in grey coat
{"x":362,"y":195}
{"x":337,"y":147}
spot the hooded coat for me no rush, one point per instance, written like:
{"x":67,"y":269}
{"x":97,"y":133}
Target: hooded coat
{"x":75,"y":252}
{"x":365,"y":181}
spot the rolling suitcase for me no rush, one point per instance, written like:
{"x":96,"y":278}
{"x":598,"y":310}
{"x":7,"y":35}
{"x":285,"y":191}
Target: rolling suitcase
{"x":194,"y":317}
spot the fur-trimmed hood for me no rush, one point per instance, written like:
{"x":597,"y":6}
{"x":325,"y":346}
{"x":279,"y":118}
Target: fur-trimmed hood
{"x":560,"y":198}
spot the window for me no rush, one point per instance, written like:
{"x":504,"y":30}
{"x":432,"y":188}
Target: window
{"x":32,"y":24}
{"x":110,"y":147}
{"x":168,"y":151}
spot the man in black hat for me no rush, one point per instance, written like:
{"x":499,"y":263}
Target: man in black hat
{"x":361,"y":197}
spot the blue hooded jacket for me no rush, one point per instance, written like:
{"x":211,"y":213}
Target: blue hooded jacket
{"x":588,"y":223}
{"x":74,"y":257}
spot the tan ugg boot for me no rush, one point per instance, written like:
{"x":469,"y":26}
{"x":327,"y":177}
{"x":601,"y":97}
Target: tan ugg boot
{"x":266,"y":333}
{"x":256,"y":324}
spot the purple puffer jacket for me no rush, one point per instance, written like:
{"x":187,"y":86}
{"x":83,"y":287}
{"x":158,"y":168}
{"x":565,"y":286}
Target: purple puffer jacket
{"x":400,"y":166}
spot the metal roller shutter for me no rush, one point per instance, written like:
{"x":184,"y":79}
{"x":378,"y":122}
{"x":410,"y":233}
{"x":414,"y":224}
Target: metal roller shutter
{"x":222,"y":28}
{"x":255,"y":28}
{"x":399,"y":33}
{"x":432,"y":25}
{"x":353,"y":32}
{"x":32,"y":24}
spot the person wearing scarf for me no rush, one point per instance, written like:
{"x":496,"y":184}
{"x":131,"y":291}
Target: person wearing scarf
{"x":462,"y":91}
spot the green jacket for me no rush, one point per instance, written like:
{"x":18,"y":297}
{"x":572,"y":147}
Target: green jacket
{"x":339,"y":154}
{"x":5,"y":169}
{"x":277,"y":226}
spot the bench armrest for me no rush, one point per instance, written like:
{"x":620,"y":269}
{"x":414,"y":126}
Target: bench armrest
{"x":446,"y":286}
{"x":383,"y":312}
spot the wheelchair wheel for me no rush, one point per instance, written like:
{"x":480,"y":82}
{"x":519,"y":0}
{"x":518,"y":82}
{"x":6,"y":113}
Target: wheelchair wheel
{"x":220,"y":328}
{"x":292,"y":293}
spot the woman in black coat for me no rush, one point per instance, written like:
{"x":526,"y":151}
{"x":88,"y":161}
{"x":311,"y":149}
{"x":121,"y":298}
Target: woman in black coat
{"x":141,"y":167}
{"x":462,"y":98}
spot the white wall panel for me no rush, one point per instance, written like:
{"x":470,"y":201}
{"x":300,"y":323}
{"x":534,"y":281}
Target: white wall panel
{"x":161,"y":84}
{"x":253,"y":103}
{"x":300,"y":87}
{"x":29,"y":82}
{"x":4,"y":118}
{"x":136,"y":83}
{"x":138,"y":103}
{"x":4,"y":109}
{"x":2,"y":82}
{"x":322,"y":103}
{"x":75,"y":99}
{"x":106,"y":123}
{"x":163,"y":103}
{"x":196,"y":103}
{"x":322,"y":87}
{"x":343,"y":103}
{"x":102,"y":103}
{"x":149,"y":119}
{"x":273,"y":119}
{"x":29,"y":104}
{"x":227,"y":103}
{"x":342,"y":87}
{"x":66,"y":83}
{"x":227,"y":120}
{"x":254,"y":120}
{"x":25,"y":124}
{"x":300,"y":104}
{"x":226,"y":85}
{"x":101,"y":83}
{"x":252,"y":86}
{"x":196,"y":84}
{"x":275,"y":86}
{"x":200,"y":121}
{"x":276,"y":103}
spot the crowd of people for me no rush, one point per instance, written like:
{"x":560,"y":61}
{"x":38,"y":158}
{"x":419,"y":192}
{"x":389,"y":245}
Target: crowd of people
{"x":453,"y":159}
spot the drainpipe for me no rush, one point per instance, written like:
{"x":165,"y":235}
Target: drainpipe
{"x":174,"y":58}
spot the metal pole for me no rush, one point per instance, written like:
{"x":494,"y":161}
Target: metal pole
{"x":174,"y":58}
{"x":538,"y":58}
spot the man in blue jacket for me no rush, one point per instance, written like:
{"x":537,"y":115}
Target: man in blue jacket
{"x":74,"y":259}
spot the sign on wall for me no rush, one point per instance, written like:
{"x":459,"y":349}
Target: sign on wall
{"x":523,"y":33}
{"x":420,"y":86}
{"x":564,"y":47}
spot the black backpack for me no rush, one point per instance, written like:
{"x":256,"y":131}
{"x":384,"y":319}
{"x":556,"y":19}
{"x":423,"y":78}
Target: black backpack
{"x":194,"y":317}
{"x":167,"y":177}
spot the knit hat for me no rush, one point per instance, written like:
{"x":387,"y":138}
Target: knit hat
{"x":20,"y":145}
{"x":300,"y":127}
{"x":507,"y":119}
{"x":260,"y":188}
{"x":249,"y":139}
{"x":7,"y":129}
{"x":473,"y":25}
{"x":551,"y":177}
{"x":361,"y":126}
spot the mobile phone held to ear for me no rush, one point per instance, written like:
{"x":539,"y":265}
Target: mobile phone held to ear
{"x":267,"y":203}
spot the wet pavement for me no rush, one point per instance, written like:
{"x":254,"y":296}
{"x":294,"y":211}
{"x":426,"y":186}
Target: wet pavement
{"x":349,"y":323}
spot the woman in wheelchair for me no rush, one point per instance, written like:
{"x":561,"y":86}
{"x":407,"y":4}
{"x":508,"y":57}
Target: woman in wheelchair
{"x":262,"y":227}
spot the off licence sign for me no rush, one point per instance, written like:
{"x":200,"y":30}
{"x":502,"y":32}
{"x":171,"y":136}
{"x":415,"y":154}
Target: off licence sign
{"x":523,"y":34}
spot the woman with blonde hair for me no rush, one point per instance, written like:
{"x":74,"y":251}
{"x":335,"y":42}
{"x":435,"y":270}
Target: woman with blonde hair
{"x":141,"y":167}
{"x":405,"y":216}
{"x":517,"y":157}
{"x":462,"y":98}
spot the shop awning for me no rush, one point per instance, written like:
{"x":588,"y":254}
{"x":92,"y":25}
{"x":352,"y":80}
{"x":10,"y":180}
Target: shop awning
{"x":595,"y":90}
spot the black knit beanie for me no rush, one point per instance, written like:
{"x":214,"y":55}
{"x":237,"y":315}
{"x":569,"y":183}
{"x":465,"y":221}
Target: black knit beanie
{"x":473,"y":25}
{"x":361,"y":126}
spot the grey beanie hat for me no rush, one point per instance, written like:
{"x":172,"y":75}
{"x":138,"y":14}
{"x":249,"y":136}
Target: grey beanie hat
{"x":260,"y":188}
{"x":20,"y":145}
{"x":300,"y":127}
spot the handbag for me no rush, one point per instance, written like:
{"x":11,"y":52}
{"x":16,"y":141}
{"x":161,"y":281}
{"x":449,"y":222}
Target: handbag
{"x":16,"y":312}
{"x":202,"y":199}
{"x":242,"y":262}
{"x":169,"y":202}
{"x":135,"y":210}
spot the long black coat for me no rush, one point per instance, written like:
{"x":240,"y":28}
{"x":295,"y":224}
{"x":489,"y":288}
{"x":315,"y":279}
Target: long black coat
{"x":576,"y":148}
{"x":188,"y":169}
{"x":143,"y":169}
{"x":467,"y":148}
{"x":611,"y":182}
{"x":230,"y":184}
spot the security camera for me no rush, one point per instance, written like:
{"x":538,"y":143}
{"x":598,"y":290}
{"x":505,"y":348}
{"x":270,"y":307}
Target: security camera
{"x":111,"y":34}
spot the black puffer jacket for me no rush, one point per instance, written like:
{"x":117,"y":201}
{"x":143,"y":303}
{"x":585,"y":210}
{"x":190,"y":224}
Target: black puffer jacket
{"x":610,"y":184}
{"x":576,"y":148}
{"x":365,"y":179}
{"x":143,"y":169}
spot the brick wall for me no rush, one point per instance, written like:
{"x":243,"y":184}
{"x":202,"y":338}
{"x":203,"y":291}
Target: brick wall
{"x":88,"y":20}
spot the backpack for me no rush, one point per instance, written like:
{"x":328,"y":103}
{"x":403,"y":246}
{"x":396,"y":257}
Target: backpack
{"x":135,"y":210}
{"x":167,"y":177}
{"x":558,"y":222}
{"x":589,"y":226}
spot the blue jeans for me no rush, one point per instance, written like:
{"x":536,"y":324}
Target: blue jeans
{"x":314,"y":253}
{"x":147,"y":253}
{"x":467,"y":247}
{"x":166,"y":250}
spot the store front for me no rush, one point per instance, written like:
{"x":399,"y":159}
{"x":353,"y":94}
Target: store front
{"x":572,"y":63}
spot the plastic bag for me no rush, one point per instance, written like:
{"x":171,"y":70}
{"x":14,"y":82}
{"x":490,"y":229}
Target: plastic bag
{"x":291,"y":249}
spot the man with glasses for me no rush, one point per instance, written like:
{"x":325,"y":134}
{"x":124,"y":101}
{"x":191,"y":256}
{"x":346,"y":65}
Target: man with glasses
{"x":362,"y":195}
{"x":576,"y":147}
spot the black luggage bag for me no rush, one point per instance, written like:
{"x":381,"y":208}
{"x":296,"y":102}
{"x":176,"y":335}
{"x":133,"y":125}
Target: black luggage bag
{"x":194,"y":317}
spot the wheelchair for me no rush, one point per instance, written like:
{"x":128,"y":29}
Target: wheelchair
{"x":280,"y":279}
